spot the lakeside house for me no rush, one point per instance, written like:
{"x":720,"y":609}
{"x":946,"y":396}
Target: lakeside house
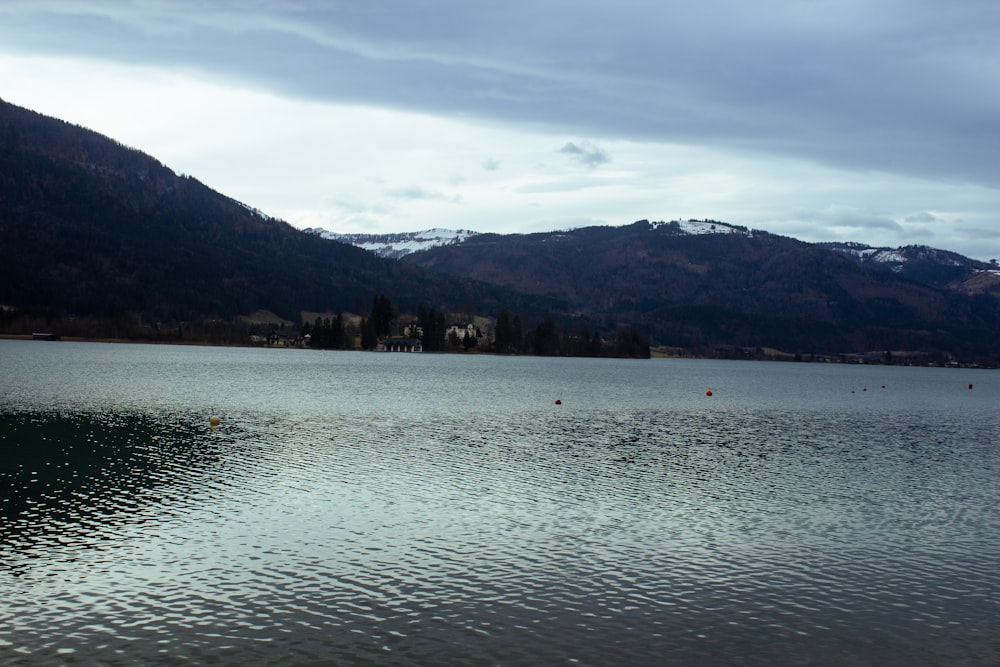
{"x":413,"y":330}
{"x":277,"y":338}
{"x":292,"y":339}
{"x":402,"y":344}
{"x":461,"y":329}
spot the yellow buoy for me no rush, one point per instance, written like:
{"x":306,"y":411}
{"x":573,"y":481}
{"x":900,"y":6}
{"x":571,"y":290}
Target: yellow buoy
{"x":213,"y":420}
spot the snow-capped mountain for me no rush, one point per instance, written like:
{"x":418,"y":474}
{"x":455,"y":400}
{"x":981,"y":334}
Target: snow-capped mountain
{"x":394,"y":246}
{"x":932,"y":266}
{"x":699,"y":227}
{"x":897,"y":257}
{"x":939,"y":267}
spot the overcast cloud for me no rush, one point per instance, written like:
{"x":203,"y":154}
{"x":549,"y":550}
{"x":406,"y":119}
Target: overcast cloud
{"x":869,"y":120}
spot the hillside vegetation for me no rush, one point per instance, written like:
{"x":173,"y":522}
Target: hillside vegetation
{"x":93,"y":229}
{"x":734,"y":287}
{"x":99,"y":234}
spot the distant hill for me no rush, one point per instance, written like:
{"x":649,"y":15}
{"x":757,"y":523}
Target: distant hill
{"x":931,"y":266}
{"x":940,"y":268}
{"x":706,"y":283}
{"x":92,"y":228}
{"x":395,"y":246}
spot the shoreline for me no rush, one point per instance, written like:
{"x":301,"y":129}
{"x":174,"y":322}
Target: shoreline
{"x":850,"y":359}
{"x":126,"y":341}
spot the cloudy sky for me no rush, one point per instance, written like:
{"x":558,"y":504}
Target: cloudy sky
{"x":868,"y":120}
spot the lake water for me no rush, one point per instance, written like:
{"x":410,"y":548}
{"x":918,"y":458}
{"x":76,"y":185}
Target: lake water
{"x":364,"y":508}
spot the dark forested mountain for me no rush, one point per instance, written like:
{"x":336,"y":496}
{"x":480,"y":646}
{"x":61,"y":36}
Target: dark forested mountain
{"x":706,"y":283}
{"x":395,"y":246}
{"x":89,"y":227}
{"x":931,"y":266}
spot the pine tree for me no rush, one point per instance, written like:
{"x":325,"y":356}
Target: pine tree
{"x":368,"y":338}
{"x":381,"y":316}
{"x":503,"y":339}
{"x":516,"y":335}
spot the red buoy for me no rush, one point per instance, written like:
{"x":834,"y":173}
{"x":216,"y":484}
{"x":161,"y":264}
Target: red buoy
{"x":558,"y":402}
{"x":970,"y":385}
{"x":708,"y":393}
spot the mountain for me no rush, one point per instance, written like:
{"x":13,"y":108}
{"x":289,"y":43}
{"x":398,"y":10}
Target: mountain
{"x":697,"y":284}
{"x":931,"y":266}
{"x":940,"y":268}
{"x":398,"y":245}
{"x":395,"y":246}
{"x":92,"y":228}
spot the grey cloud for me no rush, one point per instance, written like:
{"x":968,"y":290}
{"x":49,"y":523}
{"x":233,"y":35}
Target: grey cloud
{"x":923,"y":216}
{"x":847,"y":217}
{"x":586,"y":154}
{"x":561,"y":185}
{"x":415,"y":192}
{"x":351,"y":205}
{"x":901,"y":87}
{"x":490,"y":164}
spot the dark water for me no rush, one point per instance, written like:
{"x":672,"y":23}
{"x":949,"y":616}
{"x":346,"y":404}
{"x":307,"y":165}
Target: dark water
{"x":424,"y":509}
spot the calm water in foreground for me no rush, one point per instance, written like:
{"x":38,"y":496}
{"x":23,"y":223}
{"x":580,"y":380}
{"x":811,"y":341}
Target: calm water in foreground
{"x":362,"y":508}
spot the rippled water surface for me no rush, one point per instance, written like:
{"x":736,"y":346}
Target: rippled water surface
{"x":362,"y":508}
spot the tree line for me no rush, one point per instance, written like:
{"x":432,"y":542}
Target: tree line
{"x":510,"y":335}
{"x":343,"y":332}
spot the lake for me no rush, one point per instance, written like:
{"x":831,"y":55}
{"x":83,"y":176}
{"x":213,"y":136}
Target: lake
{"x":419,"y":509}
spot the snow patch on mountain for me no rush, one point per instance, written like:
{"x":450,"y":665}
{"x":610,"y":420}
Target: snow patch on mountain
{"x":394,"y":246}
{"x":708,"y":227}
{"x":898,"y":256}
{"x":700,"y":227}
{"x":886,"y":256}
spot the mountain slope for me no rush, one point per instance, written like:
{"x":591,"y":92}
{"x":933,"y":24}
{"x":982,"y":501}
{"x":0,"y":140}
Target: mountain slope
{"x":940,"y":268}
{"x":727,"y":285}
{"x":92,"y":228}
{"x":395,"y":246}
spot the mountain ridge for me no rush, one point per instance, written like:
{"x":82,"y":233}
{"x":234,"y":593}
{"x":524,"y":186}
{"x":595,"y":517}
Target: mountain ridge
{"x":709,"y":287}
{"x":396,"y":245}
{"x":92,"y":228}
{"x":933,"y":266}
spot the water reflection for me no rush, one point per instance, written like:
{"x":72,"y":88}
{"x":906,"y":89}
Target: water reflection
{"x":74,"y":479}
{"x":604,"y":532}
